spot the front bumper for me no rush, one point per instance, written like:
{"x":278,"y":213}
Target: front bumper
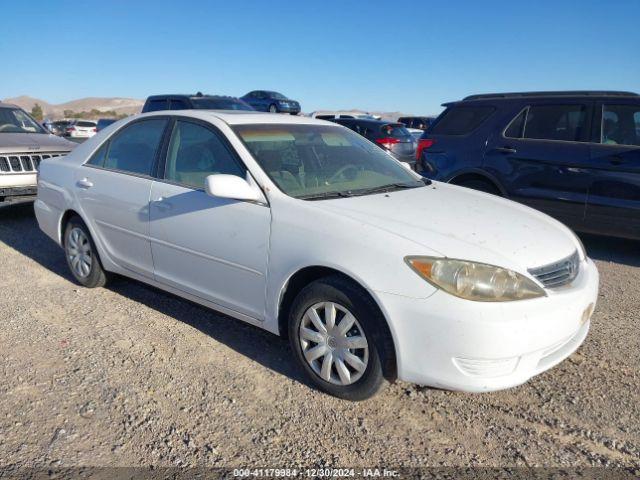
{"x":293,"y":110}
{"x":14,"y":195}
{"x":447,"y":342}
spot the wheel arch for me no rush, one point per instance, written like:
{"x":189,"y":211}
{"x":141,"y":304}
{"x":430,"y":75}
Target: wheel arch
{"x":306,"y":275}
{"x":477,"y":175}
{"x":64,"y":220}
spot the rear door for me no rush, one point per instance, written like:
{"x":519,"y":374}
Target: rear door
{"x":542,"y":158}
{"x":613,"y":205}
{"x":114,"y":188}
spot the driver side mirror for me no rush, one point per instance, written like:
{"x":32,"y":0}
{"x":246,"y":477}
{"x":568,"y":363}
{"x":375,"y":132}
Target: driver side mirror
{"x":231,"y":186}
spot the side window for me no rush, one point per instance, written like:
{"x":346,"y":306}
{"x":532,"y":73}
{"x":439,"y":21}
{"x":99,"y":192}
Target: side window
{"x":196,"y":152}
{"x":134,"y":149}
{"x":621,"y":125}
{"x":557,"y":122}
{"x":514,"y":130}
{"x":99,"y":156}
{"x":177,"y":104}
{"x":155,"y":105}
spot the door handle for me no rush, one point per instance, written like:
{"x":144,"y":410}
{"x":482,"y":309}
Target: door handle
{"x":162,"y":204}
{"x":505,"y":150}
{"x":84,"y":183}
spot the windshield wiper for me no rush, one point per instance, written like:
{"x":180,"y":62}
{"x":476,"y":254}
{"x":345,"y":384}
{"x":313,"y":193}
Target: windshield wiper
{"x":389,"y":188}
{"x":325,"y":195}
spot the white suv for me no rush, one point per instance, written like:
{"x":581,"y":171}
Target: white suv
{"x":23,"y":145}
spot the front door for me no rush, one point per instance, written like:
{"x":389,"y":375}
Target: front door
{"x":545,"y":158}
{"x":114,"y":188}
{"x":213,"y":248}
{"x":613,"y":205}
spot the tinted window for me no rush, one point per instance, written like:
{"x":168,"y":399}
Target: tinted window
{"x":556,"y":122}
{"x":221,"y":104}
{"x":134,"y":149}
{"x":99,"y":156}
{"x":621,"y":125}
{"x":155,"y":105}
{"x":196,"y":152}
{"x":84,"y":124}
{"x":462,"y":120}
{"x":325,"y":117}
{"x":179,"y":105}
{"x":514,"y":130}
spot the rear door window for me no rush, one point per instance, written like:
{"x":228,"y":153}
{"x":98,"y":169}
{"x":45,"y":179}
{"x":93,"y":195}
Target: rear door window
{"x":462,"y":119}
{"x":515,"y":128}
{"x":620,"y":125}
{"x":178,"y":104}
{"x":557,"y":122}
{"x":134,"y":149}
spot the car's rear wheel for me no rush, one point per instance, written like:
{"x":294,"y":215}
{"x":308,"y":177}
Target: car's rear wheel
{"x":480,"y":185}
{"x":82,"y":256}
{"x":334,"y":331}
{"x":273,"y":108}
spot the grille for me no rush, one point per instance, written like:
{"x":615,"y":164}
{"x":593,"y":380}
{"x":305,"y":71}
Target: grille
{"x":24,"y":163}
{"x":559,"y":273}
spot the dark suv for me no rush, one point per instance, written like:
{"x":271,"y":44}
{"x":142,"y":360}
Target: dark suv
{"x":573,"y":155}
{"x":197,"y":101}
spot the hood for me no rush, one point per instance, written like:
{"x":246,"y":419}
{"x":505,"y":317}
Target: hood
{"x":460,"y":223}
{"x":33,"y":142}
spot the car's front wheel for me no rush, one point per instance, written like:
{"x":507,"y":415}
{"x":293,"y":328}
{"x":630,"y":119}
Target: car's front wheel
{"x":333,"y":329}
{"x":273,"y":108}
{"x":82,"y":256}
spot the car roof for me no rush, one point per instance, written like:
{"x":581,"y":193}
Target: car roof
{"x":550,"y":95}
{"x":241,"y":117}
{"x":187,"y":95}
{"x":369,"y":121}
{"x":8,"y":105}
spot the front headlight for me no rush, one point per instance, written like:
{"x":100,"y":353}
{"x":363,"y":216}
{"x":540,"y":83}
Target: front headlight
{"x":475,"y":281}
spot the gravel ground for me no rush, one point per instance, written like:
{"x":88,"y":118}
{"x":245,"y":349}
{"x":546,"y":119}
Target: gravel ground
{"x":128,"y":375}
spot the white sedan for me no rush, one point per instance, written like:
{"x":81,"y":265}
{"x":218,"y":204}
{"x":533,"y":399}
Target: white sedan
{"x":308,"y":230}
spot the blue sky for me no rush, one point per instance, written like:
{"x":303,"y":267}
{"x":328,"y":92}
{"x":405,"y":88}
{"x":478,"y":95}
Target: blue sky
{"x":375,"y":55}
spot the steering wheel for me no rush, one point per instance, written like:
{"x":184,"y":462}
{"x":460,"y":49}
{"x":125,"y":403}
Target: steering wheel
{"x":341,"y":172}
{"x":6,"y":126}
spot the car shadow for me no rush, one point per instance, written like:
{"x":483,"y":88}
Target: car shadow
{"x":615,"y":250}
{"x":19,"y":230}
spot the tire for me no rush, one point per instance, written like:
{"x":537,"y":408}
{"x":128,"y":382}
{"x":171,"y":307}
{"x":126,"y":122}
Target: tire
{"x":82,"y":255}
{"x":480,"y":185}
{"x":273,"y":108}
{"x":358,"y":382}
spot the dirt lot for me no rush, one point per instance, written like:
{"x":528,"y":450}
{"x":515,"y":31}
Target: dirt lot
{"x":129,"y":375}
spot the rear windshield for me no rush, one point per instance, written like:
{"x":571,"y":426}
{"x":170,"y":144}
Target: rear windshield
{"x":395,"y":130}
{"x":85,"y":124}
{"x":461,"y":120}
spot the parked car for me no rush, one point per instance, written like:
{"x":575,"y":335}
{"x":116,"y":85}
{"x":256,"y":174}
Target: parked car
{"x":274,"y":102}
{"x":59,"y":127}
{"x":23,"y":145}
{"x":198,"y":101}
{"x":307,"y":230}
{"x":392,"y":137}
{"x":104,"y":122}
{"x":418,"y":123}
{"x":81,"y":129}
{"x":330,"y":115}
{"x":572,"y":155}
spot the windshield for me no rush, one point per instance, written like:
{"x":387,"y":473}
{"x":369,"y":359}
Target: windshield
{"x":221,"y":104}
{"x":14,"y":120}
{"x":312,"y":161}
{"x":276,"y":95}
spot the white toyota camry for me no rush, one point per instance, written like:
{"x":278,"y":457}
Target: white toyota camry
{"x":308,"y":230}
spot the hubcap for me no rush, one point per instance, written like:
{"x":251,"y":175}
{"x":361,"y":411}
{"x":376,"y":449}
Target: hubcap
{"x":333,"y":343}
{"x":79,"y":253}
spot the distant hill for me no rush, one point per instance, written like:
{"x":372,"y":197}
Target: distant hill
{"x":121,"y":106}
